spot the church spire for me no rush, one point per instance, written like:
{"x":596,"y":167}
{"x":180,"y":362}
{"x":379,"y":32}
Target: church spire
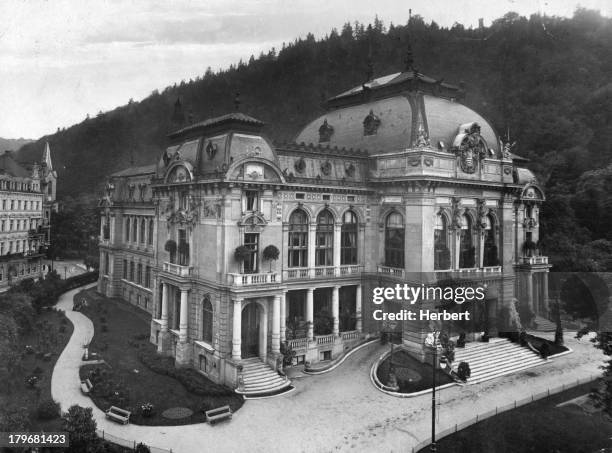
{"x":47,"y":157}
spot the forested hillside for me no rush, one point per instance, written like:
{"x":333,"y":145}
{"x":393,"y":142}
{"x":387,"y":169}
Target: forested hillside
{"x":546,"y":80}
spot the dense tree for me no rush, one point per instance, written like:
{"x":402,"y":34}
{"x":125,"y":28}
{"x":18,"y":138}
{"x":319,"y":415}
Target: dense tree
{"x":81,"y":428}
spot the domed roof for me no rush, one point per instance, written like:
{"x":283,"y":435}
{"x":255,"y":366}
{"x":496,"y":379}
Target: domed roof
{"x":394,"y":113}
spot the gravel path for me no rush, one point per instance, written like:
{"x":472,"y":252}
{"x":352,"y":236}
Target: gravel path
{"x":337,"y":411}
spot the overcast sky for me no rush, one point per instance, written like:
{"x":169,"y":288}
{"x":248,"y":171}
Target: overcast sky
{"x":61,"y":60}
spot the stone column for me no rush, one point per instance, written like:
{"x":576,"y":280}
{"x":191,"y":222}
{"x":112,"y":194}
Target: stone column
{"x":545,"y":293}
{"x":312,"y":236}
{"x":283,"y":317}
{"x":164,"y":310}
{"x":310,"y":313}
{"x":481,"y":244}
{"x":529,"y":281}
{"x":336,"y":310}
{"x":358,"y":324}
{"x":183,"y":321}
{"x":276,"y":323}
{"x":337,"y":247}
{"x":237,"y":330}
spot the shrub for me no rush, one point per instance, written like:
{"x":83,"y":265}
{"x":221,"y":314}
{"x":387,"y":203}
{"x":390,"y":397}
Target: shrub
{"x":48,"y":410}
{"x":146,"y":409}
{"x":142,"y":448}
{"x":463,"y":371}
{"x":193,"y":381}
{"x":545,"y":349}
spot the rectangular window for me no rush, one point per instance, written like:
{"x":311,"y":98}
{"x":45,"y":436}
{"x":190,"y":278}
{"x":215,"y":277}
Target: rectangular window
{"x":106,"y":263}
{"x":251,"y":242}
{"x":132,"y":267}
{"x":299,"y":196}
{"x":183,"y":248}
{"x":148,"y":276}
{"x":298,"y":248}
{"x":251,"y":199}
{"x":139,"y":274}
{"x":125,"y":269}
{"x":348,"y":250}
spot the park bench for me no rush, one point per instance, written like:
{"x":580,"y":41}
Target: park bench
{"x":119,"y":415}
{"x":217,"y":414}
{"x":86,"y":386}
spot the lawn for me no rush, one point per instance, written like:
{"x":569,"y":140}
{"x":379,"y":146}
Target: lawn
{"x":121,"y":338}
{"x":412,"y":375}
{"x":39,"y":350}
{"x":537,"y":427}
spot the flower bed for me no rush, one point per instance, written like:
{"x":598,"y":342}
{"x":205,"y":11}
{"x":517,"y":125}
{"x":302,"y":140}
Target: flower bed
{"x":418,"y":376}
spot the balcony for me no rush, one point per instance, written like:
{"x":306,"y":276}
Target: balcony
{"x":325,"y":339}
{"x":253,"y":279}
{"x":298,"y":343}
{"x":175,"y":269}
{"x":322,"y":272}
{"x":393,"y":271}
{"x":534,"y":260}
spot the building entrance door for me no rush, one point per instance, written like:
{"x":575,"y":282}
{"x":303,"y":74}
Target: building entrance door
{"x":250,"y":331}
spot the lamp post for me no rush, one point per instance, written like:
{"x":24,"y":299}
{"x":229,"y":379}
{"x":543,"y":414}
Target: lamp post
{"x":431,"y":340}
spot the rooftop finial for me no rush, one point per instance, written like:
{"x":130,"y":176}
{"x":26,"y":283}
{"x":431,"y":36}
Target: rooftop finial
{"x":237,"y":101}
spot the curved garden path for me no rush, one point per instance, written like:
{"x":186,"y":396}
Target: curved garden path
{"x":337,"y":411}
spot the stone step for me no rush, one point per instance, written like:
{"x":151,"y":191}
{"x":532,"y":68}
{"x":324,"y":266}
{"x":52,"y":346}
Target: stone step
{"x":495,"y":359}
{"x":259,"y":379}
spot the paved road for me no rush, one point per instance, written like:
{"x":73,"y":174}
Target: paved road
{"x":338,"y":411}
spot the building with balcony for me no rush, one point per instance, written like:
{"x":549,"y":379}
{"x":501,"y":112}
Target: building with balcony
{"x":25,"y":215}
{"x":241,"y":246}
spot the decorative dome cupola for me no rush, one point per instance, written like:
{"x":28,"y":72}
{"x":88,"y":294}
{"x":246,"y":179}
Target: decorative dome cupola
{"x":397,"y":112}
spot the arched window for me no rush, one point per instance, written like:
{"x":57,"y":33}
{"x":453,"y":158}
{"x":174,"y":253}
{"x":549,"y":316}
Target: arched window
{"x":150,"y":235}
{"x":394,"y":240}
{"x":207,"y":320}
{"x":491,"y":254}
{"x":324,"y":253}
{"x":441,"y":250}
{"x":298,"y":239}
{"x":467,"y":252}
{"x":143,"y":229}
{"x":348,"y":239}
{"x":127,"y":230}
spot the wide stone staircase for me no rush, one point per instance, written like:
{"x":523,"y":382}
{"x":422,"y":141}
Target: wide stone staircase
{"x":496,"y":358}
{"x":261,"y":380}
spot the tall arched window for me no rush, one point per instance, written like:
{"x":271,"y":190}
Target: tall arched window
{"x":324,"y":253}
{"x":207,"y":320}
{"x":348,"y":239}
{"x":394,"y":240}
{"x":467,"y":252}
{"x":150,"y":235}
{"x":441,"y":250}
{"x":298,"y":239}
{"x":491,"y":251}
{"x":143,"y":229}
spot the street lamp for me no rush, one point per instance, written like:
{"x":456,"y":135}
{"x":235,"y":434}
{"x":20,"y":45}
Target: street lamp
{"x":432,"y":341}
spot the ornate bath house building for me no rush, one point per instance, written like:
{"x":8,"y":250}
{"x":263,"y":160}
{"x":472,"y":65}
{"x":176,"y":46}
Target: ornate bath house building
{"x":235,"y":245}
